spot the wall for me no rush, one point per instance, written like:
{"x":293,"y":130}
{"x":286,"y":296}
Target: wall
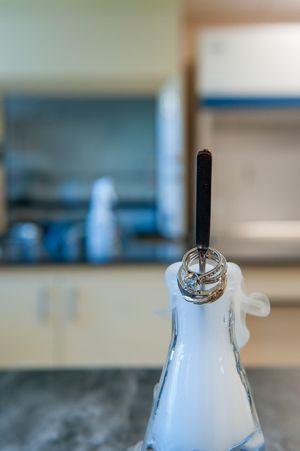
{"x":88,"y":45}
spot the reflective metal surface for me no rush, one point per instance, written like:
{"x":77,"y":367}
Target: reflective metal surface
{"x":205,"y":287}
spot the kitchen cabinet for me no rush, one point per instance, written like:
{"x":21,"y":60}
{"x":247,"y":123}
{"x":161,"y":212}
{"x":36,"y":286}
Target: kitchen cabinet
{"x":86,"y":316}
{"x":118,"y":316}
{"x":26,"y":321}
{"x":249,"y":61}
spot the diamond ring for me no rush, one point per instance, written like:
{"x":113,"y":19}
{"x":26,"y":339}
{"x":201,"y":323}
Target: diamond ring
{"x":202,"y":288}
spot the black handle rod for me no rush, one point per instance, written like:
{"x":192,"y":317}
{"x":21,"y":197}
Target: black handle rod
{"x":203,"y":204}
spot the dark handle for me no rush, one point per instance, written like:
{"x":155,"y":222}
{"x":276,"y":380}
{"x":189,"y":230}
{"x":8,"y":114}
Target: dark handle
{"x":203,"y":199}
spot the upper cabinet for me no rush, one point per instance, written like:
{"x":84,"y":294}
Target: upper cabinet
{"x":249,"y":61}
{"x":103,"y":46}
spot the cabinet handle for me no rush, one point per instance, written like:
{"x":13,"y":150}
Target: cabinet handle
{"x":71,"y":304}
{"x":42,"y":305}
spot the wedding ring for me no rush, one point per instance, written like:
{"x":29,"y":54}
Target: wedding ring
{"x":202,"y":288}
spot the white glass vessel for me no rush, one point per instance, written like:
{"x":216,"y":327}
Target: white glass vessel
{"x":203,"y":400}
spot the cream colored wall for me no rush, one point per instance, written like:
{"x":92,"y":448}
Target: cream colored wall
{"x":88,"y":45}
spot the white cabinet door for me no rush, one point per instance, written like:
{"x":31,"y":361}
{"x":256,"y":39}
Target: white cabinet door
{"x":249,"y":60}
{"x":117,"y":317}
{"x":26,"y":320}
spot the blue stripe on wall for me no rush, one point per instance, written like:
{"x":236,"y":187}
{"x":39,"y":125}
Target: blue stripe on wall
{"x":250,"y":102}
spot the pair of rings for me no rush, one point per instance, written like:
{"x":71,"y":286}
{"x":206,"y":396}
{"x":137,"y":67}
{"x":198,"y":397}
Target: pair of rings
{"x":202,"y":288}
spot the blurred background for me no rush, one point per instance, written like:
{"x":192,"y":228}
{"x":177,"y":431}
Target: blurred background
{"x":103,"y":106}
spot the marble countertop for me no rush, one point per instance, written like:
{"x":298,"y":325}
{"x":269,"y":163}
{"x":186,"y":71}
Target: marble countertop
{"x":89,"y":410}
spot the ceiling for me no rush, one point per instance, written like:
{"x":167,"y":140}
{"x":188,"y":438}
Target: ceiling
{"x":282,"y":10}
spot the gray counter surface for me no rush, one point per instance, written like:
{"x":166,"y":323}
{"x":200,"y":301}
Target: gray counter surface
{"x":89,"y":410}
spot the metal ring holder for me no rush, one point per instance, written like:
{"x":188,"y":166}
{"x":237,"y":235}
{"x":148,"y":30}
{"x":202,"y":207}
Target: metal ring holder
{"x":203,"y":286}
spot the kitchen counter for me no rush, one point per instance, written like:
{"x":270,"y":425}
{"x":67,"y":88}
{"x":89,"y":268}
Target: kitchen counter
{"x":85,"y":410}
{"x":151,"y":249}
